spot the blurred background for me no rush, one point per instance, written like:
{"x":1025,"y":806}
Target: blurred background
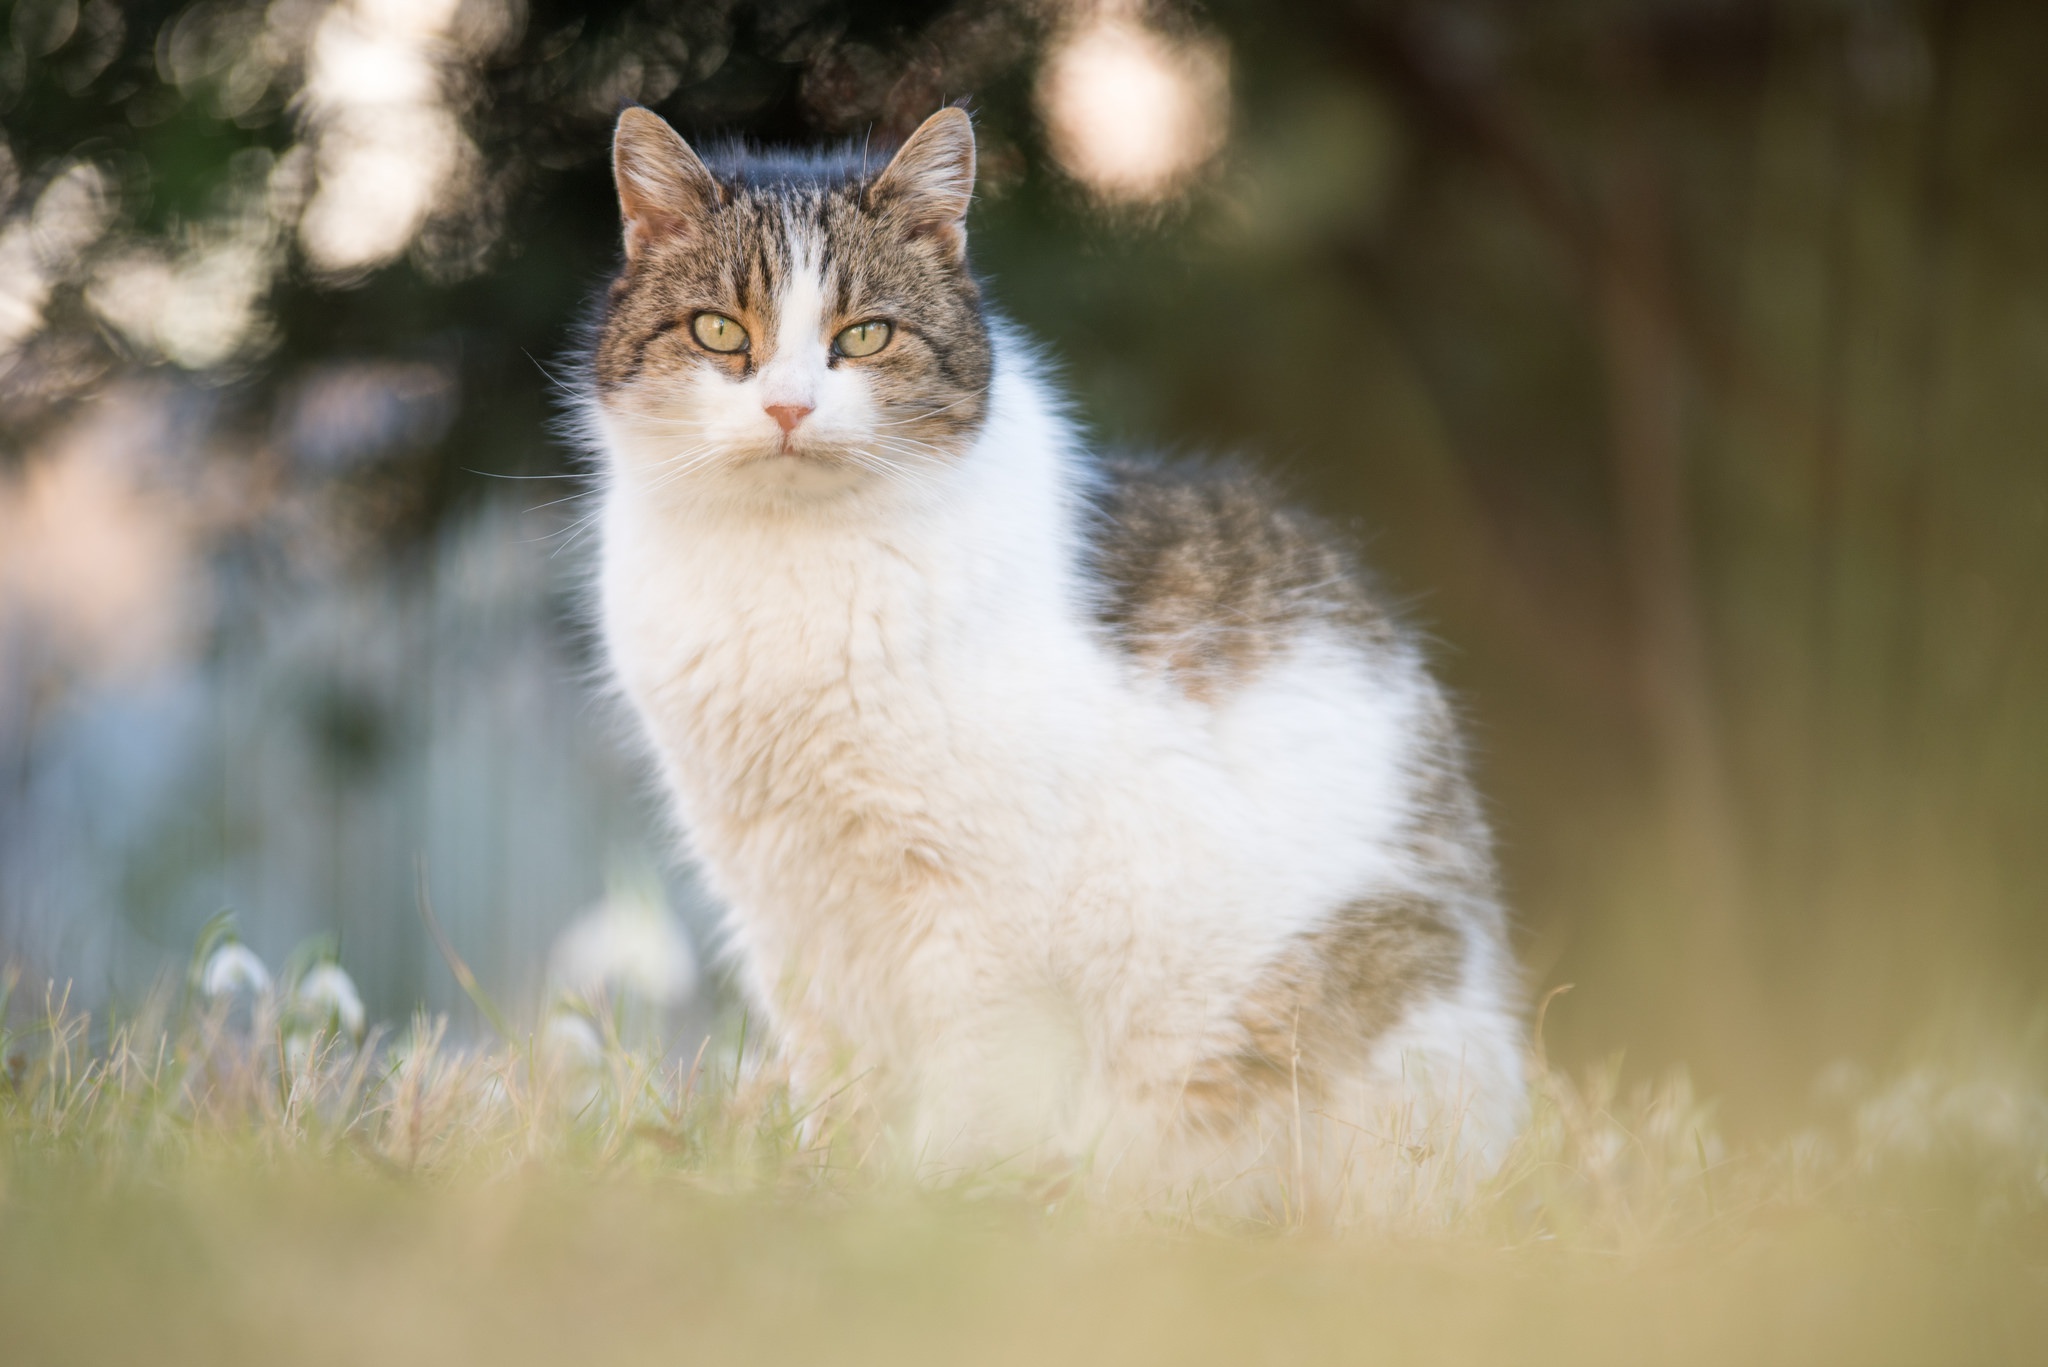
{"x":1681,"y":364}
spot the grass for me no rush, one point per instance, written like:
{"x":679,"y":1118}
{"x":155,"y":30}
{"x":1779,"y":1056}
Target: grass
{"x":225,"y":1182}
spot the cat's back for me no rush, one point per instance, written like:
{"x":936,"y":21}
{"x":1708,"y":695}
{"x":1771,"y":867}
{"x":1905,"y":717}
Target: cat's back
{"x":1204,"y":572}
{"x":1285,"y":663}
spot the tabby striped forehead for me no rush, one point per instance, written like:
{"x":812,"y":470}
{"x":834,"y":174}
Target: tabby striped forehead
{"x":795,"y":261}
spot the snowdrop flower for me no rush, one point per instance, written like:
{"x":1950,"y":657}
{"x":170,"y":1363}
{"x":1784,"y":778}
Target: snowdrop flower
{"x":570,"y":1042}
{"x":233,"y":970}
{"x":495,"y":1098}
{"x":573,"y":1051}
{"x":327,"y":998}
{"x":630,"y":945}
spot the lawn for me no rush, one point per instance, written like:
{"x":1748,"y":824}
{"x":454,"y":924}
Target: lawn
{"x":227,"y":1181}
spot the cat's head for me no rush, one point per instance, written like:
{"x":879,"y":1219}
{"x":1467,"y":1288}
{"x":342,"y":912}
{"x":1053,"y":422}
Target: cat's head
{"x":792,"y":328}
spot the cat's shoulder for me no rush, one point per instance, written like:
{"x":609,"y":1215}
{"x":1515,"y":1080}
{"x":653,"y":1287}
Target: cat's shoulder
{"x":1206,"y":570}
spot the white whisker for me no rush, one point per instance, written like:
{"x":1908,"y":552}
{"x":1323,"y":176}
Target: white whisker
{"x":933,"y":412}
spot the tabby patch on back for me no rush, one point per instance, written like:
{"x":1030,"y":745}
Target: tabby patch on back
{"x":1209,"y":575}
{"x":1083,"y":815}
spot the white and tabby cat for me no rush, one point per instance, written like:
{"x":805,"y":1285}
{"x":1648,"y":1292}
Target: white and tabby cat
{"x":1084,"y":811}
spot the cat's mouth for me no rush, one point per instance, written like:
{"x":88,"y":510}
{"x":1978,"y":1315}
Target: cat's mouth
{"x":814,"y":467}
{"x":787,"y":450}
{"x":803,"y":448}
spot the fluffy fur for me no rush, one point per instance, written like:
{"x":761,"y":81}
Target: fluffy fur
{"x":1071,"y":811}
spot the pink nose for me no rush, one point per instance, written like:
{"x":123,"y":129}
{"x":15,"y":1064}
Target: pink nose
{"x":787,"y":415}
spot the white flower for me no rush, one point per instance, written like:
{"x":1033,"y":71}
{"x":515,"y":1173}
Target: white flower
{"x":234,"y":970}
{"x":573,"y":1052}
{"x":628,"y":944}
{"x":570,"y":1042}
{"x":327,"y":996}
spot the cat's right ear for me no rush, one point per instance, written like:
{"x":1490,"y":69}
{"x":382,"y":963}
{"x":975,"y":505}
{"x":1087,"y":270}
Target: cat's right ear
{"x":665,"y":190}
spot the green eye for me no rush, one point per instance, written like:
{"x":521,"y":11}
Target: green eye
{"x":862,"y":339}
{"x":716,"y":332}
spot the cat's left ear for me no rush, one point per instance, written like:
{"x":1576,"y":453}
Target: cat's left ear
{"x":930,"y":182}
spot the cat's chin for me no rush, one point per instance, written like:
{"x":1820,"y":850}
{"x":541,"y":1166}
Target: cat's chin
{"x":814,"y":473}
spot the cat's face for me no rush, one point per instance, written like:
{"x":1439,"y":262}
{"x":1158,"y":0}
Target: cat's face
{"x":792,"y":337}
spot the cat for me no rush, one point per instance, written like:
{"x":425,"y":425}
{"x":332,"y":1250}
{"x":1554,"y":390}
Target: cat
{"x":1066,"y":810}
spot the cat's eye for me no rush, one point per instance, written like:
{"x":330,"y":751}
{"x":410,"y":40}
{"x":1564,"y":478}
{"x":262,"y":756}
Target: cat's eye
{"x":862,"y":339}
{"x":716,"y":332}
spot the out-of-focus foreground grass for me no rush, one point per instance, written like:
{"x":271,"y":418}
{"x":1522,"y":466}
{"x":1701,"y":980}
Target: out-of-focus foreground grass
{"x":231,"y":1182}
